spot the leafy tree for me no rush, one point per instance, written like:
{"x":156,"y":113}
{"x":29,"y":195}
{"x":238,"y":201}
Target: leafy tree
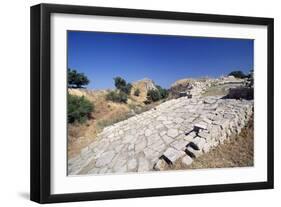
{"x":137,"y":92}
{"x":153,"y":95}
{"x":237,"y":74}
{"x":122,"y":85}
{"x":163,"y":92}
{"x":76,"y":80}
{"x":78,"y":109}
{"x":119,"y":83}
{"x":117,"y":96}
{"x":128,"y":88}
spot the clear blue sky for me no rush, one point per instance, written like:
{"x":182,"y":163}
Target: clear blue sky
{"x":164,"y":59}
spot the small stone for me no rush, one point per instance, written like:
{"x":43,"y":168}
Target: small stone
{"x":186,"y":160}
{"x":162,"y":133}
{"x":200,"y":126}
{"x":167,"y":139}
{"x":206,"y":148}
{"x":172,"y":133}
{"x":147,"y":132}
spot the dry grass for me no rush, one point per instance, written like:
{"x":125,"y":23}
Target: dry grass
{"x":106,"y":113}
{"x":238,"y":152}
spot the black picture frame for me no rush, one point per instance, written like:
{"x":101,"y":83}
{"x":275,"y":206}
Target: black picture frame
{"x":41,"y":96}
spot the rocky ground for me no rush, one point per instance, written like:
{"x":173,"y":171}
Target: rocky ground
{"x":163,"y":136}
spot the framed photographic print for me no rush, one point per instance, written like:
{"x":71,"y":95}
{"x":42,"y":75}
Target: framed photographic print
{"x":133,"y":103}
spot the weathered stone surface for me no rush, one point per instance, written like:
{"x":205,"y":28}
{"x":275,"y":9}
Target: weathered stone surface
{"x":206,"y":148}
{"x":132,"y":164}
{"x":136,"y":144}
{"x":143,"y":165}
{"x":140,"y":146}
{"x":173,"y":154}
{"x":188,"y":138}
{"x":167,"y":139}
{"x":200,"y":142}
{"x":172,"y":133}
{"x":186,"y":160}
{"x":179,"y":145}
{"x":105,"y":158}
{"x":200,"y":126}
{"x":147,"y":132}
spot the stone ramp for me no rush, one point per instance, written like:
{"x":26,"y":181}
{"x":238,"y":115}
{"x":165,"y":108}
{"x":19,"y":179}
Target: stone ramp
{"x":163,"y":135}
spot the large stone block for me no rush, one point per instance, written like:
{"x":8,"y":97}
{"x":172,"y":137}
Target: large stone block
{"x":192,"y":152}
{"x":173,"y":155}
{"x":200,"y":142}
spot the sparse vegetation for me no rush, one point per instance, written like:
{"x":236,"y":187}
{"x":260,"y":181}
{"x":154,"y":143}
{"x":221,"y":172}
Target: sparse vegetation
{"x":238,"y":152}
{"x":76,"y":80}
{"x":137,"y":92}
{"x":117,"y":96}
{"x":78,"y":109}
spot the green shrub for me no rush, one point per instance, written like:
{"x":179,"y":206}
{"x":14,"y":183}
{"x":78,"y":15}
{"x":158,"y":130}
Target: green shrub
{"x":127,"y":89}
{"x":137,"y":92}
{"x":153,"y":95}
{"x":117,"y":96}
{"x":163,"y":92}
{"x":78,"y":109}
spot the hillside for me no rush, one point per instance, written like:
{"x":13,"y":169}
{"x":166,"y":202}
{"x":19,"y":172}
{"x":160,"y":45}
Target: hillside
{"x":105,"y":113}
{"x":143,"y":85}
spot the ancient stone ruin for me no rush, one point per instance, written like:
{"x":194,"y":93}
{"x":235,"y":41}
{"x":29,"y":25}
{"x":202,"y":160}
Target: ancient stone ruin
{"x":178,"y":130}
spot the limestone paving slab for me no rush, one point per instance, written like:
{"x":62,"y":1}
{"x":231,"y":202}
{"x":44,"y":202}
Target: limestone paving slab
{"x":137,"y":144}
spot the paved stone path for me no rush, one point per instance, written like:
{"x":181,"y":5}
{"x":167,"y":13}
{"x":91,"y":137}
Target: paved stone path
{"x":163,"y":135}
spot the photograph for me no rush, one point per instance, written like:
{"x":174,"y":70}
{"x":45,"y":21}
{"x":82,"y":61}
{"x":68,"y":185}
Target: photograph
{"x":146,"y":103}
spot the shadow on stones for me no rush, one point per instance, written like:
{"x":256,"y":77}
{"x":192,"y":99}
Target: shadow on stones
{"x":166,"y":159}
{"x":240,"y":93}
{"x":190,"y":154}
{"x":192,"y":145}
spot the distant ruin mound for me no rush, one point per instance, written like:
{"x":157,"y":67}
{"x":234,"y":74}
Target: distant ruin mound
{"x":143,"y":86}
